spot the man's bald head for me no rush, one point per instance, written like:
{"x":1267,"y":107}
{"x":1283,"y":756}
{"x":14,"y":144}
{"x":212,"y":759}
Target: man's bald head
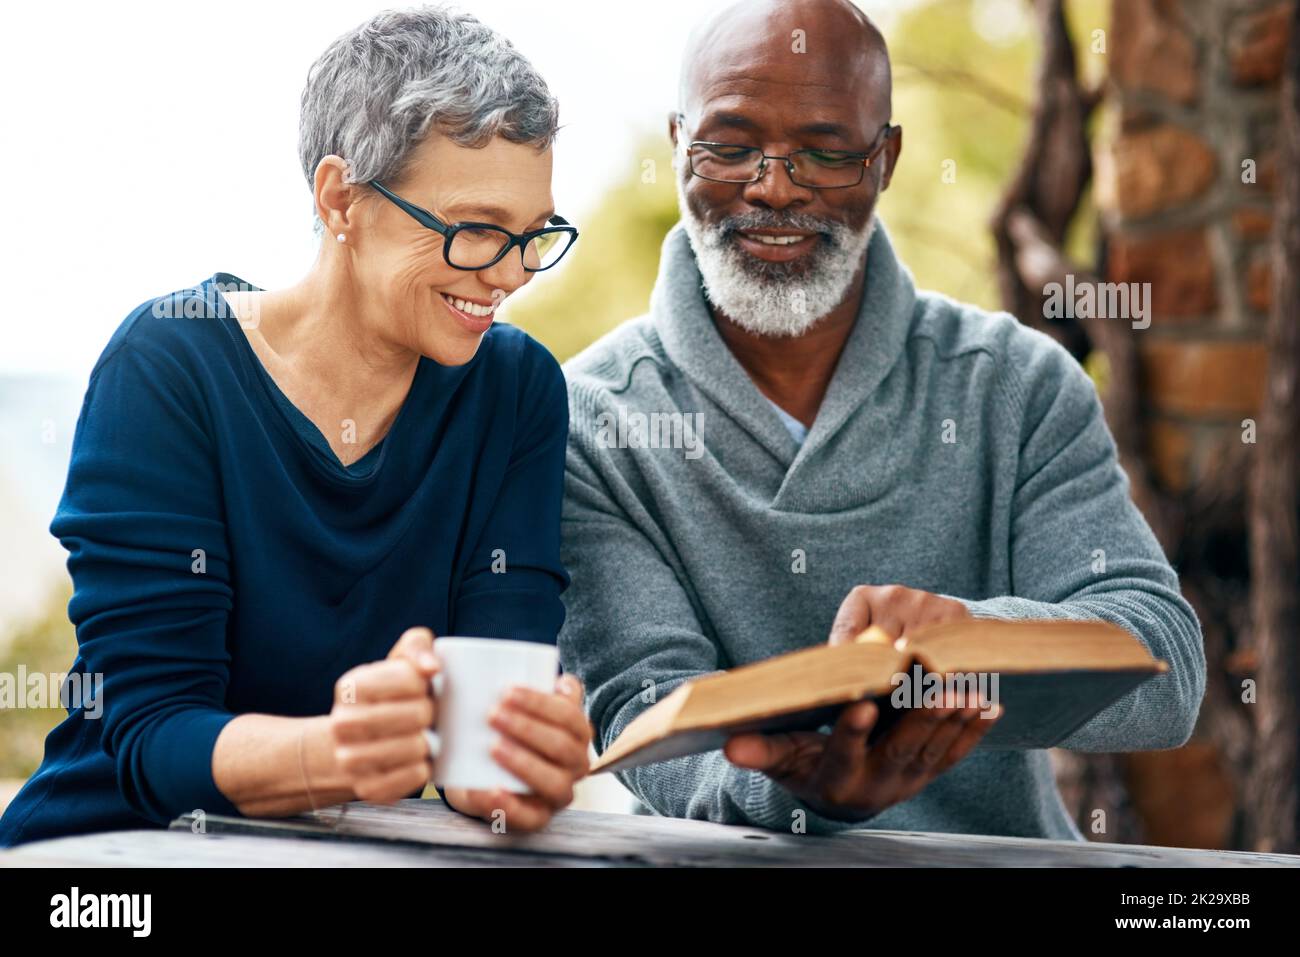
{"x":784,"y":146}
{"x":827,"y":44}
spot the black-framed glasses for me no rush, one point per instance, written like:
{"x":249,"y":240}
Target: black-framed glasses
{"x":809,"y":168}
{"x":472,"y":246}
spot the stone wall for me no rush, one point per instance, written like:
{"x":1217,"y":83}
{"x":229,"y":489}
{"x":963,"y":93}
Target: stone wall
{"x":1185,"y":185}
{"x":1185,"y":176}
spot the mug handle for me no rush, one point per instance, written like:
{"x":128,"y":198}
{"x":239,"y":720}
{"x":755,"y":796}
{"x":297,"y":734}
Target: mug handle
{"x":430,"y":736}
{"x":434,"y":742}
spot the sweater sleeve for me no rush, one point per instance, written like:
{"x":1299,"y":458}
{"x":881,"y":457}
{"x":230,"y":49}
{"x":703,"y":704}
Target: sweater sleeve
{"x":514,"y":576}
{"x":632,"y":636}
{"x":141,"y":518}
{"x":1081,"y":549}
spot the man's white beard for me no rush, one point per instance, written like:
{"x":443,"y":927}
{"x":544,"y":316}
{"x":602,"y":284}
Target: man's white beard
{"x":779,"y":300}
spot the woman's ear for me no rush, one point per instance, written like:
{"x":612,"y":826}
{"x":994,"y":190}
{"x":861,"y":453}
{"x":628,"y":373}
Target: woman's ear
{"x":335,"y":196}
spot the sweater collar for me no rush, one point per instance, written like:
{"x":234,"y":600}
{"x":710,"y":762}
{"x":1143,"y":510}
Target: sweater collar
{"x":693,"y":343}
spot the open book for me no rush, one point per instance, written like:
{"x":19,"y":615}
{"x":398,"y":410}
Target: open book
{"x":1049,"y":676}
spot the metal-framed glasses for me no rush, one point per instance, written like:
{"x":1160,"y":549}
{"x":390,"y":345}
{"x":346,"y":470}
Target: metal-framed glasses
{"x":810,"y":168}
{"x":474,"y":246}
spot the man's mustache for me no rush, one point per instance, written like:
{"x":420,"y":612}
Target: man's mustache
{"x":828,"y":230}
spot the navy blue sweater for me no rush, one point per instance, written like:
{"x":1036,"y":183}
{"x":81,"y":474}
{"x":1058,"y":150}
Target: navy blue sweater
{"x":224,"y":561}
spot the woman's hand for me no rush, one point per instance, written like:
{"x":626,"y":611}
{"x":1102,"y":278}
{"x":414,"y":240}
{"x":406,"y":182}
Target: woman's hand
{"x":544,"y":741}
{"x":380,"y":715}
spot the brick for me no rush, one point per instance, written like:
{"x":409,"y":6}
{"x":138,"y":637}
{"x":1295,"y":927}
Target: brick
{"x":1177,"y":263}
{"x":1203,"y":378}
{"x":1151,"y":49}
{"x":1257,"y":44}
{"x":1259,"y":282}
{"x":1267,"y":172}
{"x":1241,"y":662}
{"x":1133,"y":118}
{"x":1158,"y":168}
{"x":1169,"y":450}
{"x":1250,"y":223}
{"x":1184,"y":796}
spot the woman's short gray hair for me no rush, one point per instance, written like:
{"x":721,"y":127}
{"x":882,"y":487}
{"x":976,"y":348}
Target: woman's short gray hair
{"x":379,"y":90}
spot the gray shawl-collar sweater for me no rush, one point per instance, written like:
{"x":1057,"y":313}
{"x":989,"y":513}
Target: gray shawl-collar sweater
{"x":956,"y":451}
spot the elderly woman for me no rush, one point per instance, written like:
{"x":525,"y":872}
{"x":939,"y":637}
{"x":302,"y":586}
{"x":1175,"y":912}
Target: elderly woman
{"x":277,"y":497}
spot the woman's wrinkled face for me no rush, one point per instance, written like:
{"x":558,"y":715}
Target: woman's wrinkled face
{"x":432,"y":307}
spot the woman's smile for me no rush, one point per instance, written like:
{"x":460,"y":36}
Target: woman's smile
{"x":474,"y":314}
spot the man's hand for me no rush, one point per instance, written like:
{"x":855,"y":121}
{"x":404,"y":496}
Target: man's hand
{"x":894,"y":608}
{"x":838,"y":775}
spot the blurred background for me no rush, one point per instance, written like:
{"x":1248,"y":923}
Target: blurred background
{"x":1128,"y":140}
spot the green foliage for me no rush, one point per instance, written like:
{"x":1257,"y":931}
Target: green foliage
{"x":48,"y":646}
{"x":964,"y":101}
{"x":608,"y":275}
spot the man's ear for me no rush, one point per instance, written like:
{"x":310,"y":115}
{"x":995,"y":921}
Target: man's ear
{"x":893,"y":148}
{"x":672,"y":127}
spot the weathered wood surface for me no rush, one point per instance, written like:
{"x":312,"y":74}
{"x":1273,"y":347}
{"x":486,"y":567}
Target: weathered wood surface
{"x":426,"y":833}
{"x":217,"y":849}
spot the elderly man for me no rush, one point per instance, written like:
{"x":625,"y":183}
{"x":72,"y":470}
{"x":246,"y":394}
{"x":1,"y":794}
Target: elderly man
{"x":872,"y":454}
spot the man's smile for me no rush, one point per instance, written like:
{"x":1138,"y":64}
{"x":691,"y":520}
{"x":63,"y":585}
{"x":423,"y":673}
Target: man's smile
{"x":776,"y":245}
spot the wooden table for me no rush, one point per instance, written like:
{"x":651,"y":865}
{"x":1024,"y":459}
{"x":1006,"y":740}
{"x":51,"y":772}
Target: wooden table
{"x":424,"y":833}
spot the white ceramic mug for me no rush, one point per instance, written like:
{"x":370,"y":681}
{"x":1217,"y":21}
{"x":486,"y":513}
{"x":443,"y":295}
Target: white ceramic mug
{"x":476,"y":673}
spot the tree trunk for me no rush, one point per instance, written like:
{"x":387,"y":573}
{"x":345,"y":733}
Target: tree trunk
{"x":1270,"y":794}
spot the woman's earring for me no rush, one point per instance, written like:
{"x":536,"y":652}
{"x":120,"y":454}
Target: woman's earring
{"x":342,"y":237}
